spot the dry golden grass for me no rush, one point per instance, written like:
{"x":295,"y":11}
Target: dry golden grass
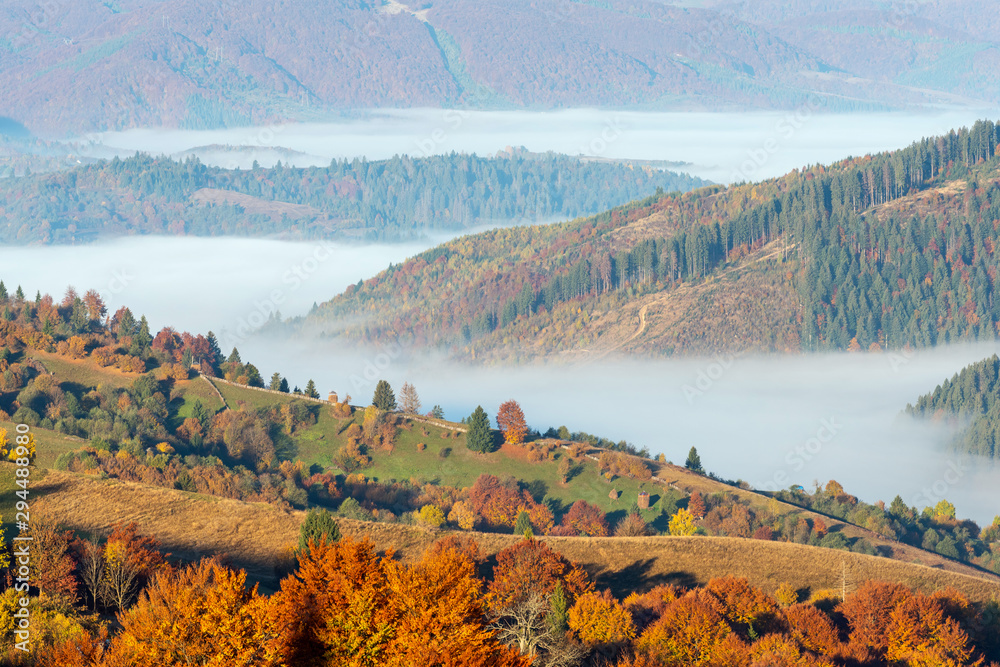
{"x":260,"y":538}
{"x":84,"y":371}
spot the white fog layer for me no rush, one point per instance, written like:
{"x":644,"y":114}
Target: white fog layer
{"x":723,"y":147}
{"x":771,"y":421}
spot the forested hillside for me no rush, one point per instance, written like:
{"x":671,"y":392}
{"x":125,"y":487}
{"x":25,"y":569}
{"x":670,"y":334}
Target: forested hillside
{"x":388,"y":199}
{"x":873,"y":252}
{"x":970,"y":401}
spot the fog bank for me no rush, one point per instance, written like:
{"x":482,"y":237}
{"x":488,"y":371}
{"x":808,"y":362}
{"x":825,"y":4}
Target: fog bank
{"x":777,"y":420}
{"x":722,"y":147}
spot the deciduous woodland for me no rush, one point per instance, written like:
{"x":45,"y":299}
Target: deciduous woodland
{"x":108,"y":399}
{"x":875,"y":252}
{"x":348,"y":604}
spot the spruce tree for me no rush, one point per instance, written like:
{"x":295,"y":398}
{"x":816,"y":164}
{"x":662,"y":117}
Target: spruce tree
{"x":384,"y":399}
{"x":558,"y":616}
{"x":19,"y":294}
{"x":275,"y":384}
{"x":523,"y":524}
{"x":3,"y":291}
{"x":437,"y":412}
{"x":311,"y":389}
{"x":480,"y":436}
{"x":142,"y":339}
{"x":234,"y":357}
{"x":693,"y":462}
{"x":127,"y":326}
{"x":319,"y":526}
{"x":284,"y":386}
{"x":213,"y":348}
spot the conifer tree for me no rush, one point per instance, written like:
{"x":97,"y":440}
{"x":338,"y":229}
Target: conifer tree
{"x":523,"y":523}
{"x":693,"y":462}
{"x":234,"y":357}
{"x":213,"y":346}
{"x":19,"y":294}
{"x":558,"y":616}
{"x":284,"y":386}
{"x":142,"y":339}
{"x":384,"y":399}
{"x":127,"y":326}
{"x":409,"y":400}
{"x":311,"y":389}
{"x":275,"y":383}
{"x":480,"y":436}
{"x":3,"y":291}
{"x":437,"y":412}
{"x":318,"y":527}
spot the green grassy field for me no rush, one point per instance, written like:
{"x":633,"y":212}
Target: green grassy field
{"x":252,"y":397}
{"x":446,"y":459}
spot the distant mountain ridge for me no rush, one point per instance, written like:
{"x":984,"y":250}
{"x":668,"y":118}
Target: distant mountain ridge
{"x":384,"y":200}
{"x":91,"y":66}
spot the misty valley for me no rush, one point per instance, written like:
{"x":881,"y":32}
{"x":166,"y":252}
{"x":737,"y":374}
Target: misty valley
{"x":503,"y":333}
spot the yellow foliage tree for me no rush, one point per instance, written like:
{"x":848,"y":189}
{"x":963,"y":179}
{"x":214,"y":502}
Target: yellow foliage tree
{"x":786,"y":595}
{"x":203,"y":614}
{"x":682,"y":523}
{"x":9,"y":445}
{"x":430,"y":515}
{"x":598,"y":618}
{"x":462,"y":515}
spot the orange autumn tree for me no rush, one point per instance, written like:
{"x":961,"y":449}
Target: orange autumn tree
{"x":586,"y":519}
{"x":688,"y":633}
{"x":920,"y":634}
{"x":347,"y":606}
{"x":528,"y":598}
{"x":812,"y":629}
{"x":532,"y":567}
{"x":868,"y":611}
{"x":499,"y":504}
{"x":203,"y":614}
{"x":741,"y":604}
{"x":510,"y":421}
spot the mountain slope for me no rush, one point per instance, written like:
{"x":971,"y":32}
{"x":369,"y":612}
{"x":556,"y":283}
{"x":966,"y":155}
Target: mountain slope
{"x":880,"y":251}
{"x":969,"y":401}
{"x":386,"y":199}
{"x":91,"y":66}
